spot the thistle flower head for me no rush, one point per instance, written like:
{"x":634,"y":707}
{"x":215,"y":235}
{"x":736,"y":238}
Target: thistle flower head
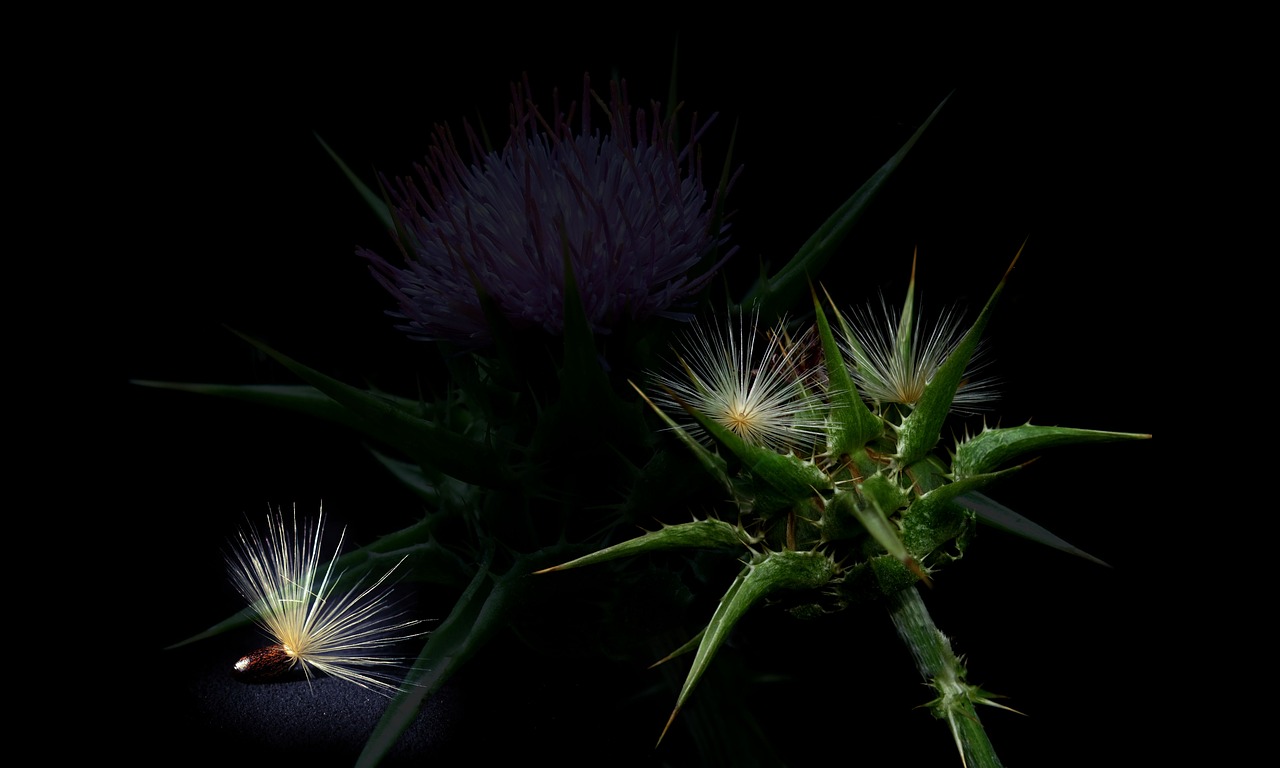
{"x":895,"y":354}
{"x":626,"y":206}
{"x":768,"y":399}
{"x":311,"y":624}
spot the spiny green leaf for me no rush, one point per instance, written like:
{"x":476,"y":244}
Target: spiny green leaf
{"x":920,"y":430}
{"x":236,"y":620}
{"x":482,"y":610}
{"x":766,"y":574}
{"x":710,"y":461}
{"x":906,"y":320}
{"x":775,"y":295}
{"x":703,"y":534}
{"x":299,"y":398}
{"x":996,"y":515}
{"x":373,"y":201}
{"x":428,"y":443}
{"x":583,"y":376}
{"x":425,"y":559}
{"x":585,"y":388}
{"x":441,"y":491}
{"x":994,"y":447}
{"x":672,"y":98}
{"x":947,"y":493}
{"x":691,"y":645}
{"x":852,"y":423}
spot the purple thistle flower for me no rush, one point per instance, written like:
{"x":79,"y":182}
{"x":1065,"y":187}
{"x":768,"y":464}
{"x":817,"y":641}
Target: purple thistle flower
{"x":628,"y":205}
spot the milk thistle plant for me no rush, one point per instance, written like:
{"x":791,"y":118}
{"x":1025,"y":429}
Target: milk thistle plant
{"x":564,"y":278}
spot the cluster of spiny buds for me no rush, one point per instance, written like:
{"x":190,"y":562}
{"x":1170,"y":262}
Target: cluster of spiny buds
{"x":826,"y":441}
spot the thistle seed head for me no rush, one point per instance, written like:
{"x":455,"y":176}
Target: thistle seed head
{"x":310,"y":623}
{"x":892,"y":357}
{"x":768,"y":399}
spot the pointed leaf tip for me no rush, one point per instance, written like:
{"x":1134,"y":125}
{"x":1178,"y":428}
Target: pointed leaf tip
{"x":667,"y":727}
{"x":1014,"y":263}
{"x":996,"y":515}
{"x":378,"y":205}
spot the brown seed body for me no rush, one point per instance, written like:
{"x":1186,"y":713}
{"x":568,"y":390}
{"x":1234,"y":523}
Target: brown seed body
{"x":263,"y":664}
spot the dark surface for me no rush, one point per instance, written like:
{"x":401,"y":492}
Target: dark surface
{"x":249,"y":224}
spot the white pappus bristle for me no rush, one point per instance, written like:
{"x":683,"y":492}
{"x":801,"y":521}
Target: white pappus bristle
{"x":768,"y":400}
{"x":294,"y":595}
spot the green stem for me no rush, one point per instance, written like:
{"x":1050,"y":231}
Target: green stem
{"x":940,"y":667}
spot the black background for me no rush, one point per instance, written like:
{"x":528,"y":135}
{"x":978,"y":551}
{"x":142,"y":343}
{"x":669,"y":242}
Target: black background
{"x":243,"y":221}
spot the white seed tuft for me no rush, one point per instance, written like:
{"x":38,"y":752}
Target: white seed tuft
{"x":345,"y":634}
{"x":770,"y":400}
{"x":887,"y":368}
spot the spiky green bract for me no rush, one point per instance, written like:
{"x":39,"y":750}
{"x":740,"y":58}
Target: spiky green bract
{"x":295,"y":600}
{"x":994,"y":447}
{"x":766,"y":573}
{"x":850,"y":425}
{"x":701,"y":534}
{"x":712,"y":463}
{"x":773,"y":296}
{"x":919,"y":431}
{"x":766,"y":398}
{"x":991,"y":512}
{"x":375,"y":203}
